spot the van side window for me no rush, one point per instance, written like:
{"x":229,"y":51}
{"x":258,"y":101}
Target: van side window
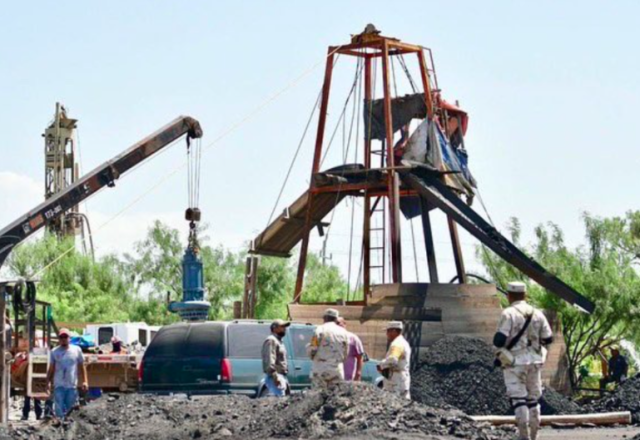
{"x":104,"y":335}
{"x":300,"y":337}
{"x":245,"y":341}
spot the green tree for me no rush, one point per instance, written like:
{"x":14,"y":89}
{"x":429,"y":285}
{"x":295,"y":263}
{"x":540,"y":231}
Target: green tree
{"x":276,"y":284}
{"x":79,"y":289}
{"x":604,"y":269}
{"x":156,"y":270}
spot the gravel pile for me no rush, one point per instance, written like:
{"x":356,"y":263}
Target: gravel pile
{"x":458,"y":372}
{"x":625,"y":398}
{"x":355,"y":411}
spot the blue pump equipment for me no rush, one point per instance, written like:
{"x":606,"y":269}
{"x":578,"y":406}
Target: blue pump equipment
{"x":193,"y":306}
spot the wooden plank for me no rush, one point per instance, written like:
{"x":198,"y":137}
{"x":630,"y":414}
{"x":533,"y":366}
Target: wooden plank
{"x":399,"y":289}
{"x":303,"y":312}
{"x":600,"y":419}
{"x":435,"y":290}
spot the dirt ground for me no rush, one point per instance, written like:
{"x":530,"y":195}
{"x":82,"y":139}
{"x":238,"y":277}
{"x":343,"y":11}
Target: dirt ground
{"x":590,"y":434}
{"x":354,"y":412}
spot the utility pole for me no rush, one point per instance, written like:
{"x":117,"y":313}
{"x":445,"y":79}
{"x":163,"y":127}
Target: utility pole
{"x":324,"y":253}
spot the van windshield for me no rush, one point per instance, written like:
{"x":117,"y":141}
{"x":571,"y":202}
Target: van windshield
{"x":245,"y":340}
{"x":191,"y":340}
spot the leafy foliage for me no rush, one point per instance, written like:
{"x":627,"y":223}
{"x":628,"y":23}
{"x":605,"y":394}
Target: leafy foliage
{"x":604,"y":269}
{"x":79,"y":289}
{"x":135,"y":287}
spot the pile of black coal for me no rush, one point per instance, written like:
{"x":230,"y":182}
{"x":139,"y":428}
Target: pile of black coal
{"x":459,"y":372}
{"x":625,"y":398}
{"x":353,"y":411}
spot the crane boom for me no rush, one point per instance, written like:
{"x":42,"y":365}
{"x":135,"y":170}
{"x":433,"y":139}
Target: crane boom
{"x":104,"y":175}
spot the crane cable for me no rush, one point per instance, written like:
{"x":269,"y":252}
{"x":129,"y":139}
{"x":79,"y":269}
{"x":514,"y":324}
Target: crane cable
{"x":294,"y":159}
{"x":275,"y":96}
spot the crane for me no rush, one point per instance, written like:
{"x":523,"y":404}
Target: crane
{"x":103,"y":176}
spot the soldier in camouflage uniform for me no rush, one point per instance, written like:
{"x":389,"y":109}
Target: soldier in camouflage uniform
{"x":328,"y":349}
{"x":397,"y":363}
{"x":522,"y":363}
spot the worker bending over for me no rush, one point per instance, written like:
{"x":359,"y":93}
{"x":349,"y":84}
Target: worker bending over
{"x":523,"y":333}
{"x":397,"y":363}
{"x":274,"y":359}
{"x":328,"y":350}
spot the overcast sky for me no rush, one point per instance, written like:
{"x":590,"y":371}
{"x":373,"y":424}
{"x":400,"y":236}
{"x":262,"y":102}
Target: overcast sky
{"x":552,"y":90}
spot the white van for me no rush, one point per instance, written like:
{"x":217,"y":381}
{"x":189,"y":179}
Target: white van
{"x":129,"y":332}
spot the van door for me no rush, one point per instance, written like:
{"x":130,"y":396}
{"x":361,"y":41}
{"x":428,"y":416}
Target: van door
{"x":184,"y":358}
{"x":203,"y":357}
{"x":300,"y":364}
{"x":245,"y":340}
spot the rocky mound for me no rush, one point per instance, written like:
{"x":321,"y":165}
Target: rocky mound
{"x":458,"y":372}
{"x":625,"y":398}
{"x":352,"y":411}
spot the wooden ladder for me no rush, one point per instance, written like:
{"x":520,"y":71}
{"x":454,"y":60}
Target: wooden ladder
{"x":37,"y":373}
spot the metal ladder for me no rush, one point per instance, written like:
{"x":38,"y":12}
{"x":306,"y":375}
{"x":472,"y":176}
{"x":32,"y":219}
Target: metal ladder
{"x":377,"y":250}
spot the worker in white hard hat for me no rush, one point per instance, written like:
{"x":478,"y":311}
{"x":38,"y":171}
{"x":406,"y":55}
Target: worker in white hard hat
{"x":397,"y":363}
{"x":521,"y":338}
{"x":328,"y":350}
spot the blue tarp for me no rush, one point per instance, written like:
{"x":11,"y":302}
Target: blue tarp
{"x":84,"y":341}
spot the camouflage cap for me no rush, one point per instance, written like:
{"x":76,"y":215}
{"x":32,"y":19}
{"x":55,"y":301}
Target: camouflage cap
{"x":279,"y":323}
{"x":332,"y":313}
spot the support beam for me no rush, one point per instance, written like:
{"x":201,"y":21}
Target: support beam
{"x":366,"y":239}
{"x":322,"y":121}
{"x":250,"y":282}
{"x":428,"y":242}
{"x":426,"y":87}
{"x":438,"y":195}
{"x":393,"y":180}
{"x":457,"y":251}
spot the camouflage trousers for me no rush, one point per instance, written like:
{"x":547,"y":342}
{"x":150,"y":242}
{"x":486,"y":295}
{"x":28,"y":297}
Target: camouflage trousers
{"x":399,"y":383}
{"x":524,"y":388}
{"x":326,"y":377}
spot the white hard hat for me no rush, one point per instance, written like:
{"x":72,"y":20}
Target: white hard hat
{"x":517,"y":287}
{"x":394,"y":325}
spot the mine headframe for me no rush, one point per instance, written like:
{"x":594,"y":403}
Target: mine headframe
{"x":414,"y":161}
